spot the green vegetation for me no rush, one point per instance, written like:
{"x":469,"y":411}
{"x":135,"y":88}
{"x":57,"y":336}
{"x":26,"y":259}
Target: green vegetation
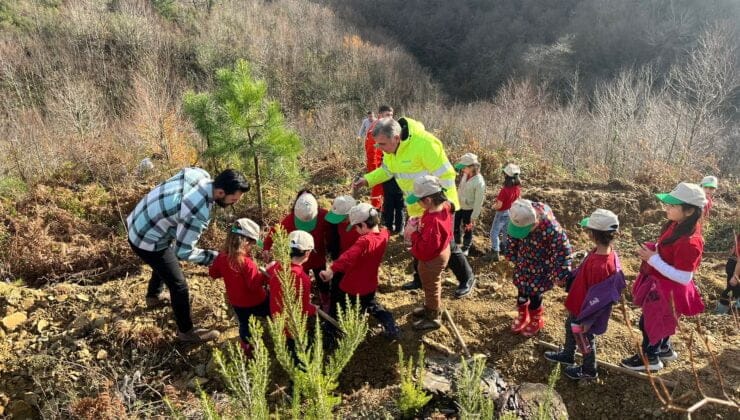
{"x":412,"y":397}
{"x":244,"y":129}
{"x":474,"y":403}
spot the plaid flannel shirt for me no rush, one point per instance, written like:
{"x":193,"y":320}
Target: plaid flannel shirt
{"x":178,"y":209}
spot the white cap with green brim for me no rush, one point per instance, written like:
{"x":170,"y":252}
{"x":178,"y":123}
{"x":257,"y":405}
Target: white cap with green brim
{"x":685,"y":193}
{"x":340,"y":209}
{"x":305,"y":210}
{"x":466,"y":160}
{"x":709,"y":181}
{"x":601,"y":219}
{"x":423,"y":187}
{"x":522,"y":218}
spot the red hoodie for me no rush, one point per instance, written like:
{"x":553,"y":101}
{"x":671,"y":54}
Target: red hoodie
{"x":434,"y":234}
{"x":245,"y":286}
{"x":321,"y":237}
{"x":360,"y":263}
{"x":302,"y":285}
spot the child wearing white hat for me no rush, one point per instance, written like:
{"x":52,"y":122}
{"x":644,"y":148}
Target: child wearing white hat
{"x":709,"y":184}
{"x":540,"y":251}
{"x":306,"y":215}
{"x":360,"y":265}
{"x":245,"y":285}
{"x":665,"y":287}
{"x":510,"y":192}
{"x":471,"y":191}
{"x":596,"y":285}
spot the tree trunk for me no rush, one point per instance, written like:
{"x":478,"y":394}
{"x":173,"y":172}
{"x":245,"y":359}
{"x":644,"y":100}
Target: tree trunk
{"x":257,"y":177}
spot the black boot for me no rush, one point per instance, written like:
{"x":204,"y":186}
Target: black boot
{"x":461,"y":269}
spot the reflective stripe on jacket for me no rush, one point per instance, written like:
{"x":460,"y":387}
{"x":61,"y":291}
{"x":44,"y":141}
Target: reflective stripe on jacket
{"x":418,"y":154}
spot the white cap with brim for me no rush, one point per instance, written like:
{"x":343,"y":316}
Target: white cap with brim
{"x":340,"y":209}
{"x":301,"y":240}
{"x":601,"y":219}
{"x":247,"y":228}
{"x":512,"y":169}
{"x":685,"y":193}
{"x":522,"y":218}
{"x":709,"y":181}
{"x":305,"y":211}
{"x":423,"y":187}
{"x":360,"y":213}
{"x":466,"y":160}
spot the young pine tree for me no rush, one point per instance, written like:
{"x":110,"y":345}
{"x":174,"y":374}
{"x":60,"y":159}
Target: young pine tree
{"x":246,"y":130}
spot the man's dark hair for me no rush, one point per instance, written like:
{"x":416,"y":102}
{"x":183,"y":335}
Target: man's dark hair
{"x":231,"y":181}
{"x":384,"y":108}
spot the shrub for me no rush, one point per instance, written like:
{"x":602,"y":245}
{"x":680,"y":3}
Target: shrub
{"x":412,"y":397}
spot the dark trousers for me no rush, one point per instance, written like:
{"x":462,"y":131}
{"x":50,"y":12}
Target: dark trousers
{"x":368,"y":303}
{"x":652,"y":351}
{"x":393,"y":211}
{"x":166,"y":270}
{"x":535,"y":301}
{"x":589,"y":360}
{"x":462,"y":218}
{"x":244,"y":313}
{"x":458,"y":263}
{"x":724,"y":297}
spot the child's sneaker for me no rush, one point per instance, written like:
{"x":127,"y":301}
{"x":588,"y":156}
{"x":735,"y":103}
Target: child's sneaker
{"x":635,"y":363}
{"x":667,"y":354}
{"x":577,"y":373}
{"x":560,"y":357}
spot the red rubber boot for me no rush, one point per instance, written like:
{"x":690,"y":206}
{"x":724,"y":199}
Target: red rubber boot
{"x":536,"y":322}
{"x":522,"y":319}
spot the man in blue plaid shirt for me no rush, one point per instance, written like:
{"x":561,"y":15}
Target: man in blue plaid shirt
{"x":165,"y":227}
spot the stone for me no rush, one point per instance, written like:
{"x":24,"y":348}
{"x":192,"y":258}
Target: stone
{"x":532,"y":395}
{"x":200,"y":370}
{"x":193,"y":383}
{"x":83,"y":297}
{"x":42,"y":325}
{"x":13,"y":321}
{"x":102,"y":355}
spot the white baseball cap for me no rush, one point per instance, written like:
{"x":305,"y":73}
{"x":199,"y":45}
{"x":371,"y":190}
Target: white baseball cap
{"x":305,"y":210}
{"x":685,"y":193}
{"x":340,"y":209}
{"x":301,"y":240}
{"x":466,"y":160}
{"x":424,"y":186}
{"x":511,"y":169}
{"x":601,"y":219}
{"x":522,"y":217}
{"x":360,"y":213}
{"x":709,"y":181}
{"x":247,"y":228}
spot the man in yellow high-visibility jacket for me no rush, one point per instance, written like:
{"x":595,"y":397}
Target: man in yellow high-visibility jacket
{"x":410,"y":152}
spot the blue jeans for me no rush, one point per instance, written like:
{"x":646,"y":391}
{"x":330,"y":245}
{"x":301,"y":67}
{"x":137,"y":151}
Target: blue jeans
{"x":500,"y":222}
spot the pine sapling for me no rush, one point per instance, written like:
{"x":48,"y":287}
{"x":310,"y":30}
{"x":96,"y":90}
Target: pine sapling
{"x":473,"y":401}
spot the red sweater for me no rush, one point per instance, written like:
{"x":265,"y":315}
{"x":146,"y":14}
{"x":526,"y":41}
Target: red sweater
{"x":245,"y":287}
{"x":321,"y":237}
{"x":507,"y":196}
{"x":684,"y":254}
{"x":434,"y":234}
{"x":594,"y":270}
{"x":346,"y":238}
{"x":302,"y":285}
{"x":360,"y":263}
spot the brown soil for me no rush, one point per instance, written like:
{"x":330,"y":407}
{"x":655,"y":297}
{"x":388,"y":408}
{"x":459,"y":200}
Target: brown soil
{"x":57,"y":356}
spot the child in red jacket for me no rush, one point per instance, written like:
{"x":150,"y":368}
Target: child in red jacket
{"x":308,"y":217}
{"x":301,"y":246}
{"x":596,"y":285}
{"x":245,"y":285}
{"x":359,"y":266}
{"x":430,"y":244}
